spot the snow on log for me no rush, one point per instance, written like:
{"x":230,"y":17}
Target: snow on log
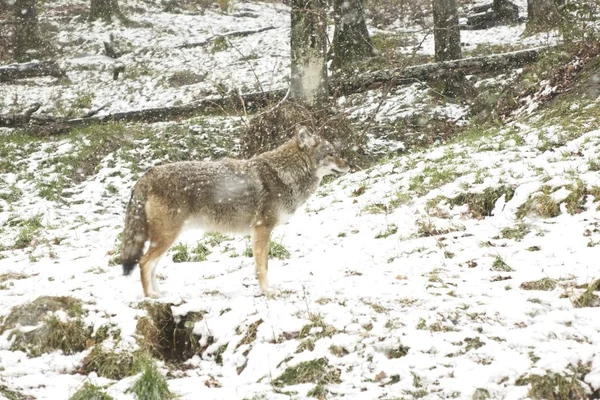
{"x":434,"y":71}
{"x":12,"y":72}
{"x":230,"y":34}
{"x":258,"y":100}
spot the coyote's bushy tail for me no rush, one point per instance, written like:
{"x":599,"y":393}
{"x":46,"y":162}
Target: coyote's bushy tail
{"x":136,"y":230}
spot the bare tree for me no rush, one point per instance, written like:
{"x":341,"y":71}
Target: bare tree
{"x":104,"y":10}
{"x":351,"y":40}
{"x":543,"y":12}
{"x":308,"y":44}
{"x":26,"y":29}
{"x":446,"y":30}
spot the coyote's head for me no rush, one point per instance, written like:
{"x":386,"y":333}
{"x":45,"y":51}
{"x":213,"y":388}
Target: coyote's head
{"x":323,"y":154}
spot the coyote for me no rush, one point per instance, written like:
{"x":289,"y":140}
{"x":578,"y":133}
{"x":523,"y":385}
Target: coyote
{"x":228,"y":196}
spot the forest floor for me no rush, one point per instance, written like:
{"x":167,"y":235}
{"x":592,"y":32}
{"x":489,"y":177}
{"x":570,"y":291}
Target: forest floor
{"x":461,"y":264}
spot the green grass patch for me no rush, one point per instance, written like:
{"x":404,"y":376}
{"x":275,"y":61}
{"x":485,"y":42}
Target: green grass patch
{"x":113,"y":364}
{"x":473,"y":343}
{"x":12,"y":276}
{"x":427,"y":228}
{"x":575,"y":201}
{"x":90,"y":392}
{"x":306,"y":344}
{"x":555,"y":386}
{"x":215,"y":238}
{"x":518,"y":232}
{"x":474,"y":134}
{"x":182,"y":253}
{"x":13,"y":395}
{"x":481,"y":204}
{"x":315,"y":371}
{"x":588,"y":298}
{"x":431,"y":178}
{"x":397,"y":352}
{"x":376,"y":208}
{"x":251,"y":332}
{"x":90,"y":145}
{"x":500,"y":265}
{"x":184,"y":78}
{"x":11,"y":194}
{"x":28,"y":231}
{"x":541,"y":204}
{"x":398,"y":199}
{"x":32,"y":313}
{"x":151,"y":385}
{"x":52,"y":190}
{"x":316,"y":328}
{"x":15,"y":149}
{"x":391,"y":229}
{"x":220,"y":44}
{"x":338,"y":351}
{"x":545,"y":284}
{"x":70,"y":336}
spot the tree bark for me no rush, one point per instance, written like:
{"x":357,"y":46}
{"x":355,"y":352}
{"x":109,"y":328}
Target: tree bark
{"x":351,"y":40}
{"x":104,"y":10}
{"x":446,"y":30}
{"x":308,"y":45}
{"x":26,"y":30}
{"x":543,"y":13}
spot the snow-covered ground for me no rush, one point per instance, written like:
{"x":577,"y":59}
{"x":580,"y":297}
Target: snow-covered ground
{"x":156,"y":67}
{"x":432,"y":294}
{"x":410,"y":296}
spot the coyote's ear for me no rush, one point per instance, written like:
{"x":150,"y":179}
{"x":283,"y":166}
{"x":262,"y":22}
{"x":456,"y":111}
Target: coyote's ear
{"x":306,"y":140}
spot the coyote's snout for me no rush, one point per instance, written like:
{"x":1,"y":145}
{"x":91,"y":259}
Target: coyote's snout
{"x":229,"y":196}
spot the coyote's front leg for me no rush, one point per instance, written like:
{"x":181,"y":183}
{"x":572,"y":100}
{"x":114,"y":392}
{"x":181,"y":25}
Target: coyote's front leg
{"x":260,"y":248}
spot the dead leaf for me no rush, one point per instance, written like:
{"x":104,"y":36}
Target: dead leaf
{"x":211,"y":382}
{"x":380,"y":376}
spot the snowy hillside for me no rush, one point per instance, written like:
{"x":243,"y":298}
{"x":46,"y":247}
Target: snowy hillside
{"x":464,"y":270}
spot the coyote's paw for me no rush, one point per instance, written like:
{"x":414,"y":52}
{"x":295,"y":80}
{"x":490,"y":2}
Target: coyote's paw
{"x":268,"y":292}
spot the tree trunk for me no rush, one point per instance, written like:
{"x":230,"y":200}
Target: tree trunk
{"x":351,"y":40}
{"x":104,"y":10}
{"x":27,"y":35}
{"x":308,"y":43}
{"x":543,"y":13}
{"x":446,"y":30}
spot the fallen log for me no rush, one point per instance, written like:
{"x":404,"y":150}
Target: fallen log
{"x":249,"y":102}
{"x":225,"y":35}
{"x":487,"y":16}
{"x":256,"y":101}
{"x":45,"y":125}
{"x":435,"y":71}
{"x":15,"y":120}
{"x":12,"y":72}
